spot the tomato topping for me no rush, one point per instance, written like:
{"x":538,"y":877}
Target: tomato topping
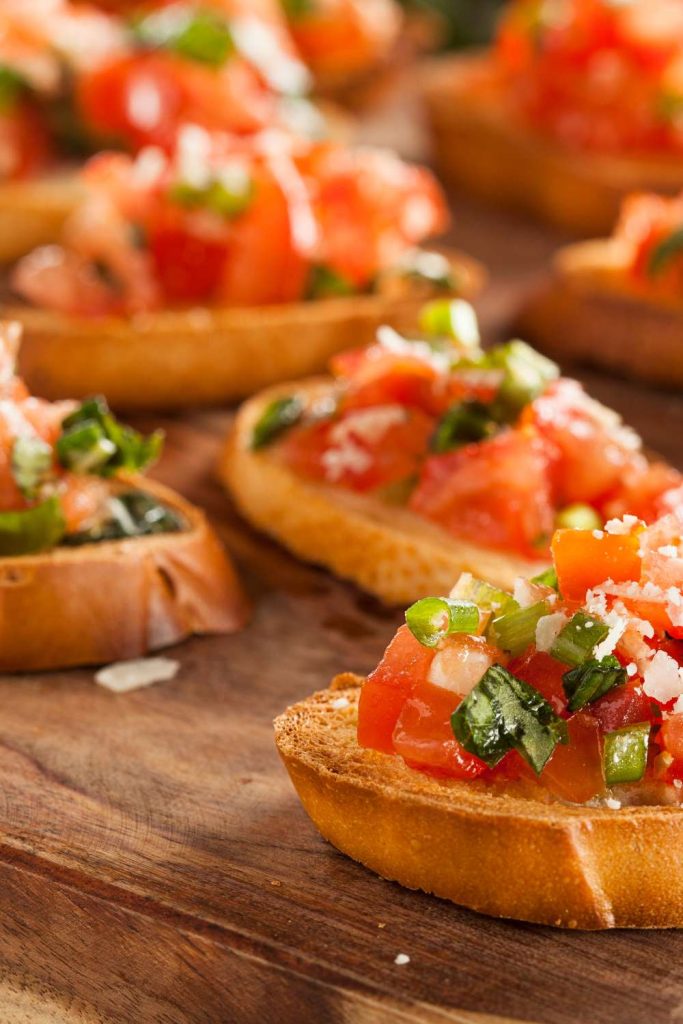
{"x":671,"y":736}
{"x":574,"y":771}
{"x":624,"y":705}
{"x":544,"y":673}
{"x":495,"y":491}
{"x":584,"y":558}
{"x":404,"y":664}
{"x":344,"y":37}
{"x":424,"y":738}
{"x":25,"y":142}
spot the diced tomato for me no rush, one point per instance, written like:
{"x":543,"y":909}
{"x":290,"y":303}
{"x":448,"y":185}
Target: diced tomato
{"x":25,"y":142}
{"x":624,"y":705}
{"x":344,"y":37}
{"x":424,"y":738}
{"x":188,"y":268}
{"x":495,"y":492}
{"x":83,"y":499}
{"x":642,"y":491}
{"x":544,"y":673}
{"x":574,"y":771}
{"x":671,"y":736}
{"x":405,"y":664}
{"x":585,"y":558}
{"x":336,"y":451}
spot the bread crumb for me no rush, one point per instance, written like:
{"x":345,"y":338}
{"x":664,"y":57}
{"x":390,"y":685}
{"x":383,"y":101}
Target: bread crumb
{"x":340,"y":702}
{"x":124,"y":676}
{"x":381,"y":924}
{"x":275,"y":881}
{"x":613,"y":804}
{"x":402,"y":959}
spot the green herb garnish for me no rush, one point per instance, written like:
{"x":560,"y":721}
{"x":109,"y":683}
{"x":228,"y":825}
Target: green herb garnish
{"x":547,"y":578}
{"x":526,"y":375}
{"x":32,"y":463}
{"x":516,"y":630}
{"x":434,"y":618}
{"x":503,"y":713}
{"x":276,"y":418}
{"x":664,"y":252}
{"x":578,"y":517}
{"x":576,"y":641}
{"x":201,"y":35}
{"x":463,"y":423}
{"x":93,"y":441}
{"x":323,"y":283}
{"x":625,"y":753}
{"x":454,"y":319}
{"x":34,"y":529}
{"x":12,"y":87}
{"x":131,"y":514}
{"x":228,"y":196}
{"x":588,"y":682}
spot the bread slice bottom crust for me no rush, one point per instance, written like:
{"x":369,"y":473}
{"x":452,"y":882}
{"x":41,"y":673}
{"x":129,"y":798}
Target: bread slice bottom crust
{"x":117,"y":599}
{"x":387,"y":550}
{"x":479,"y":147}
{"x":589,"y":313}
{"x":550,"y":863}
{"x":180,"y":358}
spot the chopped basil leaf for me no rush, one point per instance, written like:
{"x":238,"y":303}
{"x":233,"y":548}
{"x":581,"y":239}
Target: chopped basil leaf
{"x":664,"y":252}
{"x":93,"y":441}
{"x":503,"y":713}
{"x":324,"y":283}
{"x":32,"y":462}
{"x":463,"y":423}
{"x":624,"y":756}
{"x":432,"y":619}
{"x":34,"y":529}
{"x":577,"y":640}
{"x":131,"y":514}
{"x":275,"y":419}
{"x":515,"y":631}
{"x":588,"y":682}
{"x":12,"y":87}
{"x":228,"y":196}
{"x":200,"y":35}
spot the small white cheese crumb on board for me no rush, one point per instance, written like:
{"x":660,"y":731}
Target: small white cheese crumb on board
{"x":402,"y":959}
{"x":124,"y":676}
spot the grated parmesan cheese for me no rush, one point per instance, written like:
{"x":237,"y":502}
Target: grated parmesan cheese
{"x":124,"y":676}
{"x":663,"y":678}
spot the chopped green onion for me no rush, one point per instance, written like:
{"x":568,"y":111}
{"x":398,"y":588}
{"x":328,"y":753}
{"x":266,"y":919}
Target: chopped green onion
{"x":515,"y":631}
{"x":588,"y":682}
{"x":431,"y":268}
{"x":131,"y":514}
{"x":578,"y":517}
{"x":276,"y":418}
{"x":298,"y":8}
{"x":547,"y":578}
{"x":461,"y":424}
{"x":433,"y":618}
{"x":503,"y":713}
{"x":451,"y":318}
{"x":577,"y":640}
{"x":34,"y":529}
{"x":526,"y":374}
{"x":200,"y":35}
{"x":32,"y":462}
{"x":625,"y":753}
{"x":12,"y":87}
{"x":324,"y":283}
{"x":663,"y":253}
{"x":228,"y":196}
{"x":485,"y":596}
{"x":93,"y":441}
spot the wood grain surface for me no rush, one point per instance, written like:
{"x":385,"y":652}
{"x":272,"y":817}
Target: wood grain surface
{"x":156,"y":868}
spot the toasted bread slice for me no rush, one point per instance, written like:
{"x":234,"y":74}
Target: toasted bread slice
{"x":176,"y":359}
{"x":480,"y":148}
{"x":117,"y":599}
{"x":590,"y":313}
{"x":386,"y":549}
{"x":33,"y":212}
{"x":489,"y":849}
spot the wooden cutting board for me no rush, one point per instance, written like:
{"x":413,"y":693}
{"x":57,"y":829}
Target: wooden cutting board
{"x":156,"y":868}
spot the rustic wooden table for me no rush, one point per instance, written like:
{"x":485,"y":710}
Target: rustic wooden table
{"x":155,"y":865}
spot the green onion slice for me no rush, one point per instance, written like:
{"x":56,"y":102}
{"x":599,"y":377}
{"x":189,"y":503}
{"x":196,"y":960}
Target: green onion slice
{"x":12,"y":87}
{"x":434,"y":618}
{"x":578,"y":517}
{"x":276,"y":418}
{"x":588,"y":682}
{"x":200,"y":35}
{"x":93,"y":441}
{"x":526,"y":375}
{"x":461,"y":424}
{"x":625,"y":753}
{"x":228,"y":196}
{"x":324,"y":282}
{"x":663,"y":253}
{"x":547,"y":578}
{"x":34,"y":529}
{"x":515,"y":631}
{"x":577,"y":640}
{"x":451,"y":318}
{"x":32,"y":462}
{"x":485,"y":596}
{"x":131,"y":514}
{"x":503,"y":713}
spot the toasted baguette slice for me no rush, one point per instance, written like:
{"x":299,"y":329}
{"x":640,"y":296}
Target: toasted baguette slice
{"x":175,"y":359}
{"x":480,"y":148}
{"x":591,"y":314}
{"x":386,"y":549}
{"x":33,"y":212}
{"x":117,"y":599}
{"x":494,"y":851}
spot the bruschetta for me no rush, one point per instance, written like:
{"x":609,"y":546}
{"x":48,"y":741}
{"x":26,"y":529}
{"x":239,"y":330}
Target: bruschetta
{"x":97,"y":563}
{"x":617,"y":302}
{"x":519,"y":753}
{"x":423,"y":458}
{"x":203,"y":277}
{"x":577,"y":104}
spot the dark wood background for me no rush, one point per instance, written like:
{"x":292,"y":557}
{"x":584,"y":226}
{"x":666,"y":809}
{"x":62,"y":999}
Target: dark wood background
{"x":156,"y":868}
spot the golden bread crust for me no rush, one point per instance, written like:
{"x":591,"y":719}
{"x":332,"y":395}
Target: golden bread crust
{"x":33,"y":212}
